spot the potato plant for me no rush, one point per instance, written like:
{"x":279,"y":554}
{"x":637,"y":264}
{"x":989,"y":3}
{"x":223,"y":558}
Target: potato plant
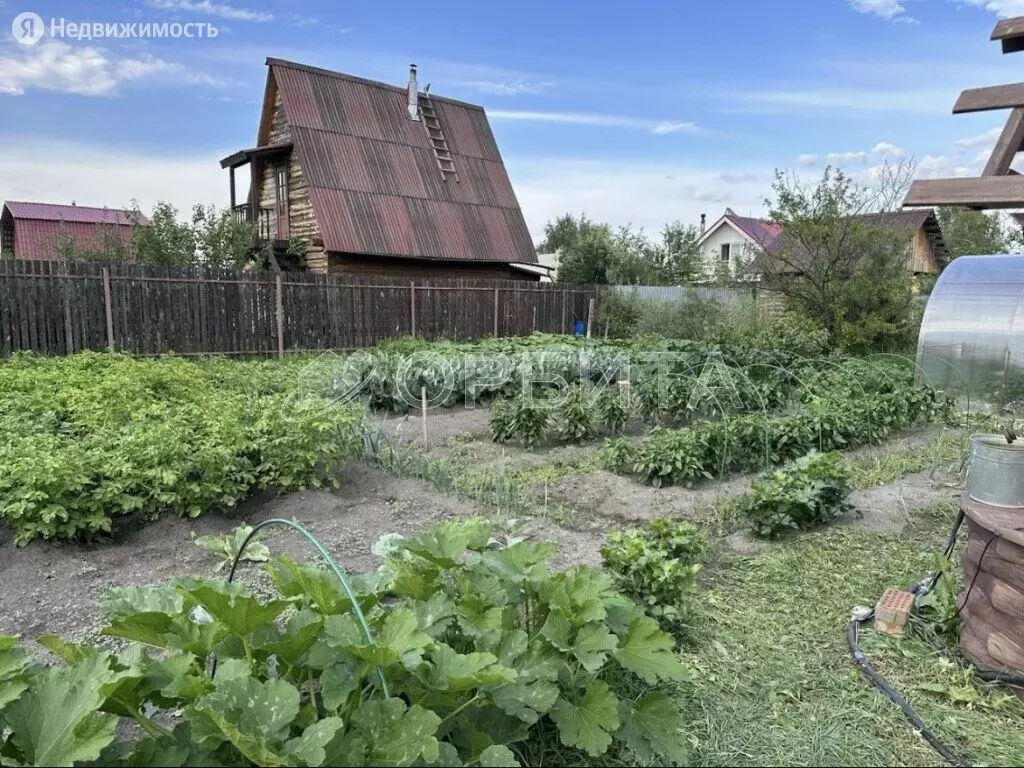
{"x":475,"y":648}
{"x":86,"y":438}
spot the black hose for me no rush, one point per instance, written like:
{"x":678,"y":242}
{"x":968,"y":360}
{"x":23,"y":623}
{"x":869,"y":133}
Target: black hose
{"x":995,"y":676}
{"x":882,"y":684}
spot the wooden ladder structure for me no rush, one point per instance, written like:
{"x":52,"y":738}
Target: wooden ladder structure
{"x":438,"y":143}
{"x":999,"y":185}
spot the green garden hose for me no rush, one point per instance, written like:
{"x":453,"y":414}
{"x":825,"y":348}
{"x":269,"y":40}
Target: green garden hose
{"x":339,"y":572}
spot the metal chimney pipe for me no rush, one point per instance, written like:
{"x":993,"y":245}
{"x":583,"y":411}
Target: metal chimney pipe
{"x":703,"y":222}
{"x":414,"y":96}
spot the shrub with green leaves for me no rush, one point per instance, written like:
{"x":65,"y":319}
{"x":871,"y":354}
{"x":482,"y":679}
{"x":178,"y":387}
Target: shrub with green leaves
{"x":523,"y":418}
{"x":615,"y":407}
{"x":476,"y":651}
{"x":575,"y":418}
{"x":93,"y":436}
{"x":657,"y":566}
{"x":755,"y":441}
{"x":800,"y":495}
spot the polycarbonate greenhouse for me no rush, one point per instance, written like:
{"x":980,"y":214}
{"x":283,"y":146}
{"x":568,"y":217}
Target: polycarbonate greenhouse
{"x":972,"y":336}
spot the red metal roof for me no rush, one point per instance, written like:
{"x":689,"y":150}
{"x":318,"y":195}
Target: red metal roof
{"x":81,"y":214}
{"x":39,"y":240}
{"x":762,"y":232}
{"x":374,"y":183}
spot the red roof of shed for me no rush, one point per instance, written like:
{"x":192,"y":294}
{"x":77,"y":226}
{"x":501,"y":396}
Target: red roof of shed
{"x":81,"y":214}
{"x":374,"y":182}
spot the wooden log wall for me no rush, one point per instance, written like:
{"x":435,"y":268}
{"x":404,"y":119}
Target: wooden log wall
{"x":59,"y":308}
{"x":992,"y":604}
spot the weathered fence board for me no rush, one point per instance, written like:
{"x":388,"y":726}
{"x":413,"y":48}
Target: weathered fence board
{"x":59,"y":308}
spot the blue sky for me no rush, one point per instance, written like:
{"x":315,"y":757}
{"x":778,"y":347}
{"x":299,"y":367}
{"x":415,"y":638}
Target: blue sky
{"x":634,"y":113}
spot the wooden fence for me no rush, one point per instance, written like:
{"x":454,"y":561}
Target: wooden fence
{"x":59,"y":308}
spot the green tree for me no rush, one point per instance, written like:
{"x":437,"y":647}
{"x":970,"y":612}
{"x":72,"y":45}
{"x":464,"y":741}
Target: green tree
{"x":838,"y":266}
{"x":682,"y":261}
{"x":588,"y":259}
{"x":167,"y":241}
{"x":222,"y":241}
{"x":968,"y":232}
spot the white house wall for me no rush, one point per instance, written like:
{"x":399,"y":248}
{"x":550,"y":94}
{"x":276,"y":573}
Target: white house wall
{"x":711,"y":249}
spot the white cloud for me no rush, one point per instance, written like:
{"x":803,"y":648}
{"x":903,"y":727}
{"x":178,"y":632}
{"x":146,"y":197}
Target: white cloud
{"x":61,"y":171}
{"x":506,"y":87}
{"x":807,"y":160}
{"x":1004,"y":8}
{"x":941,"y":166}
{"x":644,"y":194}
{"x":211,"y":8}
{"x":982,"y":157}
{"x":889,"y":150}
{"x":911,"y":99}
{"x":596,"y":119}
{"x":981,"y":140}
{"x":847,"y":158}
{"x":53,"y":65}
{"x":890,"y":10}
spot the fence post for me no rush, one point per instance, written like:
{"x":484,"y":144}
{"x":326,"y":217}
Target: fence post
{"x":280,"y":317}
{"x":495,"y":313}
{"x":412,"y":305}
{"x":107,"y":305}
{"x":564,"y":294}
{"x":590,"y":318}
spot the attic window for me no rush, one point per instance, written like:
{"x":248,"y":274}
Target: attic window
{"x":726,"y":251}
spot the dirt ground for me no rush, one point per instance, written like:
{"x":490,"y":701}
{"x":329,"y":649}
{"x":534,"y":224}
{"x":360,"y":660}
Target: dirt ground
{"x":53,"y":588}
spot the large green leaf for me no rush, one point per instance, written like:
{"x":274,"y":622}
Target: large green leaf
{"x":55,"y":721}
{"x":652,"y":727}
{"x":527,"y":698}
{"x":318,"y":586}
{"x":231,"y":604}
{"x":118,"y":602}
{"x":648,"y":652}
{"x":498,"y":756}
{"x":400,"y":639}
{"x":453,"y":671}
{"x":301,"y":631}
{"x":14,"y":667}
{"x":589,"y":724}
{"x":434,"y":615}
{"x":161,"y":630}
{"x":253,"y":716}
{"x":387,"y":732}
{"x":444,"y":543}
{"x":592,"y":645}
{"x":309,"y":747}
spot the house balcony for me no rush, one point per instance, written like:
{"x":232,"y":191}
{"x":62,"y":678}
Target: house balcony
{"x":260,"y":218}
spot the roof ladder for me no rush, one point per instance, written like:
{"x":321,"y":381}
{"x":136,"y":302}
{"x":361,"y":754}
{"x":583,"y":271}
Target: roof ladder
{"x":437,"y":140}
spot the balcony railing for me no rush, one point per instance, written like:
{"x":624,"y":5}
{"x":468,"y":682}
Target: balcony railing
{"x":258,"y":216}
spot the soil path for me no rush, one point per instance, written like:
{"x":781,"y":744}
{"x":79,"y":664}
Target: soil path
{"x":56,"y":588}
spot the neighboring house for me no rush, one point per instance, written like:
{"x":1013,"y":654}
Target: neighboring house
{"x":734,"y":241}
{"x":38,"y":231}
{"x":741,"y":241}
{"x":374,"y":178}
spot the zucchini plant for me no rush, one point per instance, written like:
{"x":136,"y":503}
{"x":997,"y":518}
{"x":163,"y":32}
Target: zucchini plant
{"x":470,"y":650}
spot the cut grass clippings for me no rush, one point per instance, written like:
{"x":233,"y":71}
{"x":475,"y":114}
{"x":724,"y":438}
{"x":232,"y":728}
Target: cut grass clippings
{"x":776,"y":685}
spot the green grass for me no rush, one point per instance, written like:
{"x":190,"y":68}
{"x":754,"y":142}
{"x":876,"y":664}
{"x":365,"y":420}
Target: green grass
{"x":946,"y":450}
{"x":776,"y":684}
